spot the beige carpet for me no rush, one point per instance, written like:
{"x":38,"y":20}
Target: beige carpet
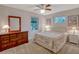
{"x":69,"y":49}
{"x":30,"y":48}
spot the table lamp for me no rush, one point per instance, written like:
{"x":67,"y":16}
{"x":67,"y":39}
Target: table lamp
{"x":74,"y":29}
{"x":47,"y":27}
{"x":5,"y":28}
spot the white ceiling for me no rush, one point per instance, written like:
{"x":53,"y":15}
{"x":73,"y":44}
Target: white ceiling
{"x":32,"y":7}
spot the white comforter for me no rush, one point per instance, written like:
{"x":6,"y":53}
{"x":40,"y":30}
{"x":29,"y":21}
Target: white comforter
{"x":53,"y":41}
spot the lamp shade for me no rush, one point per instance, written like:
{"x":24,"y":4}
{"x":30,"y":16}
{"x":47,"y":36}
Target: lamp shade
{"x":5,"y":27}
{"x":73,"y":28}
{"x":47,"y":27}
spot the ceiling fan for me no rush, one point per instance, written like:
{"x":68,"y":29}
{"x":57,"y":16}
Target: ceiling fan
{"x":43,"y":7}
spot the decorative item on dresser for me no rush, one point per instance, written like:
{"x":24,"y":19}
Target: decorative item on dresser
{"x":10,"y":40}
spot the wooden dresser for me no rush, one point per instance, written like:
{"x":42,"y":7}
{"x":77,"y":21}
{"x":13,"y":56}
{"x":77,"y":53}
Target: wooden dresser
{"x":12,"y":39}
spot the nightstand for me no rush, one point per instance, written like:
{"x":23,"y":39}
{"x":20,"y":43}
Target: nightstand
{"x":73,"y":38}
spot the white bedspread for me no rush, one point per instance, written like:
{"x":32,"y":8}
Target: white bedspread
{"x":53,"y":41}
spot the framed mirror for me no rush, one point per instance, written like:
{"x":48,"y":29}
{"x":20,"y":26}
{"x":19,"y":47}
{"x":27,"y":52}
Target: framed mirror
{"x":14,"y":23}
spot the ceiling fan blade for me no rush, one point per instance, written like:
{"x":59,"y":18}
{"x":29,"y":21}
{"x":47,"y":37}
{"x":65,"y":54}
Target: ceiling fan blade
{"x":48,"y":9}
{"x":48,"y":5}
{"x":40,"y":6}
{"x":37,"y":9}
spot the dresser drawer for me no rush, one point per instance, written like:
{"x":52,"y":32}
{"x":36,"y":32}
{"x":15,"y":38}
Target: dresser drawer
{"x":12,"y":44}
{"x":5,"y":46}
{"x":4,"y":41}
{"x":21,"y":41}
{"x":5,"y":37}
{"x":15,"y":39}
{"x":19,"y":36}
{"x":12,"y":36}
{"x":23,"y":34}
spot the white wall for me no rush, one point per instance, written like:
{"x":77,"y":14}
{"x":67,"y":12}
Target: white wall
{"x":25,"y":17}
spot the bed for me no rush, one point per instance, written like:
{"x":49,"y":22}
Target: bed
{"x":51,"y":40}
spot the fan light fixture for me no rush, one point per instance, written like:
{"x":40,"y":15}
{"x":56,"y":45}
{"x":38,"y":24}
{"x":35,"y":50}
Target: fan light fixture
{"x":42,"y":11}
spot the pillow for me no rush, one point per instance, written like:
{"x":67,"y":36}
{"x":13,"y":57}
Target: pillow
{"x":54,"y":44}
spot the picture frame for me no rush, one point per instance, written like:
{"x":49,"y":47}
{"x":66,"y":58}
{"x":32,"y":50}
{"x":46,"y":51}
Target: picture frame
{"x":14,"y":23}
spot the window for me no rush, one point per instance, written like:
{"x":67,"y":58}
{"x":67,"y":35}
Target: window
{"x":34,"y":23}
{"x":59,"y":20}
